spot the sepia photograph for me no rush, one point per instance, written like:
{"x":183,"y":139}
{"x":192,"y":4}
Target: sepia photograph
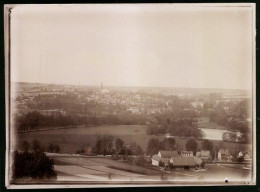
{"x":101,"y":95}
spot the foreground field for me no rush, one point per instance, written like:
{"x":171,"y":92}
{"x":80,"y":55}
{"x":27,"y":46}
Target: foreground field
{"x":70,"y":140}
{"x":103,"y":169}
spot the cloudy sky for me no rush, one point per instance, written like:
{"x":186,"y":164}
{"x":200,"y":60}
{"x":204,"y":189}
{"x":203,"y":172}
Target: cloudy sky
{"x":133,"y":45}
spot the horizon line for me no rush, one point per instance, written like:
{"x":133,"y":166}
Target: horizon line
{"x":132,"y":86}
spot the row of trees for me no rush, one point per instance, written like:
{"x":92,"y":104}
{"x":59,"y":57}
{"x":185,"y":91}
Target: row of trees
{"x":154,"y":145}
{"x":35,"y":120}
{"x":36,"y":147}
{"x":108,"y":145}
{"x":176,"y":127}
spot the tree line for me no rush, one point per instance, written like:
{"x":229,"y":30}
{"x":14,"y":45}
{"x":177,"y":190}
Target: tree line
{"x":35,"y":120}
{"x":176,"y":127}
{"x":235,"y":118}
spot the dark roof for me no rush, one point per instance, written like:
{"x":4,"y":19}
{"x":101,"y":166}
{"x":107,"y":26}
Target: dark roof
{"x":168,"y":154}
{"x":184,"y":161}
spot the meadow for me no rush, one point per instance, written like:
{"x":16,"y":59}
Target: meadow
{"x":72,"y":139}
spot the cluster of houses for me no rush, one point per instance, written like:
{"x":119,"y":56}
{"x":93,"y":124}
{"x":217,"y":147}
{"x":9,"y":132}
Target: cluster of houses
{"x":225,"y":155}
{"x":183,"y":160}
{"x":186,"y":160}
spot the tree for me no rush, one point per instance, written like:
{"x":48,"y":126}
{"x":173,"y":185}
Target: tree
{"x":56,"y":148}
{"x":191,"y":145}
{"x":36,"y":146}
{"x":51,"y":148}
{"x":104,"y":144}
{"x":171,"y":166}
{"x":26,"y":145}
{"x":119,"y":144}
{"x":240,"y":159}
{"x":135,"y":149}
{"x":202,"y":164}
{"x":153,"y":146}
{"x":161,"y":164}
{"x":140,"y":160}
{"x":207,"y":145}
{"x":168,"y":144}
{"x":32,"y":164}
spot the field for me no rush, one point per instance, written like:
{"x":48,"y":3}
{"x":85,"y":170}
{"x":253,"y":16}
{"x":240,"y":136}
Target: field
{"x":83,"y":169}
{"x":70,"y":140}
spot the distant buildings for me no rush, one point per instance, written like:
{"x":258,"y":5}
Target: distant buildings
{"x":185,"y":160}
{"x":204,"y":154}
{"x":197,"y":104}
{"x":224,"y":155}
{"x":104,"y":91}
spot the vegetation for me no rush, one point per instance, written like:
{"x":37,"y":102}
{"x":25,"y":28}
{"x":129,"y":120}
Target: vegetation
{"x":161,"y":164}
{"x":179,"y":127}
{"x":32,"y":164}
{"x":202,"y":164}
{"x":35,"y":120}
{"x":192,"y":145}
{"x":53,"y":148}
{"x":207,"y":145}
{"x":154,"y":145}
{"x":104,"y":145}
{"x":235,"y":118}
{"x":141,"y":161}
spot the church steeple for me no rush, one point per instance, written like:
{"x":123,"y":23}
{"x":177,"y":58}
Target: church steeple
{"x":101,"y":86}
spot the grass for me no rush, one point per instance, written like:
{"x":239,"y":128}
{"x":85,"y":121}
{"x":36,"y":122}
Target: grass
{"x":70,"y":140}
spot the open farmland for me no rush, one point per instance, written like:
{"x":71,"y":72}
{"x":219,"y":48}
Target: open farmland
{"x":71,"y":139}
{"x":98,"y":169}
{"x":86,"y":169}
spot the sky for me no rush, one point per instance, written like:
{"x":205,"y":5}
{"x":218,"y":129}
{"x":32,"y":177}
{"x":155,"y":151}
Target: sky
{"x":162,"y":45}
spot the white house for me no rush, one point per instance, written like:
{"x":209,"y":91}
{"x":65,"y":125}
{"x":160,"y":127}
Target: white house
{"x":224,"y":155}
{"x":155,"y":160}
{"x":204,"y":154}
{"x":186,"y":153}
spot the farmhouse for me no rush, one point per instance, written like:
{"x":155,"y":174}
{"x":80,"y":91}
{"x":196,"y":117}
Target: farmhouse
{"x":204,"y":154}
{"x":163,"y":156}
{"x":224,"y":155}
{"x":185,"y":160}
{"x":155,"y":160}
{"x":247,"y":156}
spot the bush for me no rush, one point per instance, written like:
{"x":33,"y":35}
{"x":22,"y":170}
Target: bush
{"x":32,"y":164}
{"x":240,"y":159}
{"x":51,"y":148}
{"x":170,"y":166}
{"x":161,"y":164}
{"x":36,"y":146}
{"x":202,"y":164}
{"x":26,"y":145}
{"x":140,"y":160}
{"x":115,"y":156}
{"x":56,"y":148}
